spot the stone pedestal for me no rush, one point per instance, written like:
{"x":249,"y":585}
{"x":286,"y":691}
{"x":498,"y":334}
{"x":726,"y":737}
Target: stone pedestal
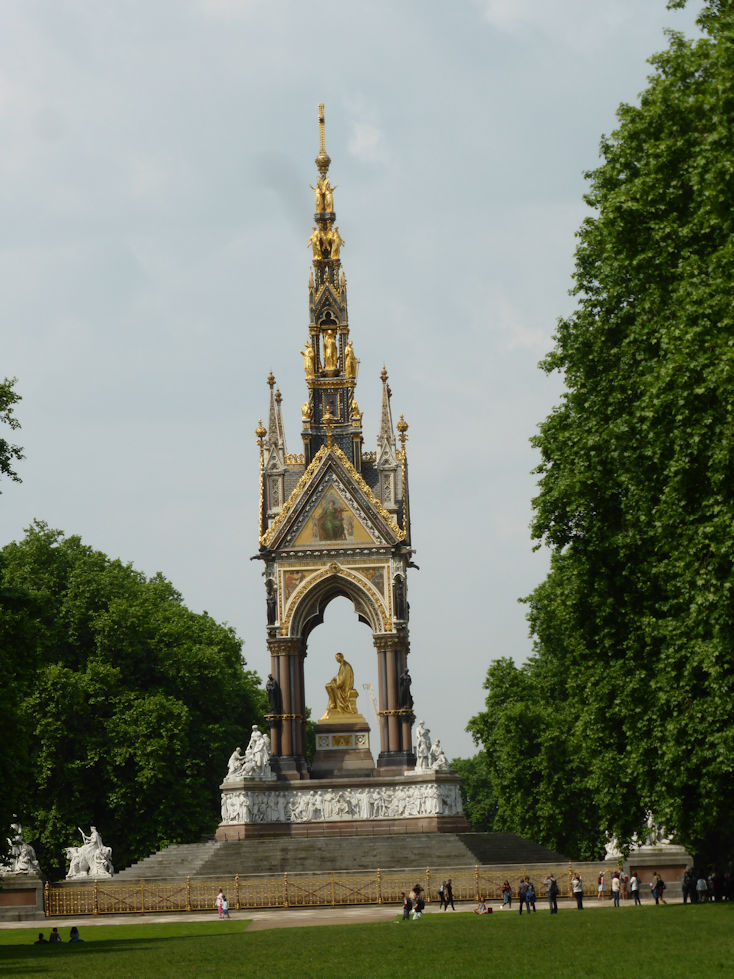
{"x":372,"y":804}
{"x":342,"y":748}
{"x":21,"y":897}
{"x":667,"y":859}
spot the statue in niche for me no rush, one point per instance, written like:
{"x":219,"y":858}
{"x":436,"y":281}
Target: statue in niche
{"x":331,"y":356}
{"x":271,"y":602}
{"x":399,"y":597}
{"x":335,"y":241}
{"x":308,"y":359}
{"x":275,"y":696}
{"x":350,"y":361}
{"x":305,"y":413}
{"x":341,"y":692}
{"x":405,"y":698}
{"x":316,"y":243}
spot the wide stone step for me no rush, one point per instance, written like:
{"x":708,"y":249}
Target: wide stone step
{"x":315,"y":854}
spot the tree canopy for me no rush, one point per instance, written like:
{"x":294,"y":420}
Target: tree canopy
{"x":125,"y":705}
{"x":634,"y":626}
{"x":9,"y":453}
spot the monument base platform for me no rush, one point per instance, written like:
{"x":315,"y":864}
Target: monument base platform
{"x":425,"y":803}
{"x":21,"y":897}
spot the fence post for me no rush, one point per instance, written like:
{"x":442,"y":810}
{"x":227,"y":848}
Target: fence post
{"x":428,"y":885}
{"x":142,"y":897}
{"x":188,"y":893}
{"x":96,"y":897}
{"x":237,"y":889}
{"x":285,"y":884}
{"x":379,"y":886}
{"x":46,"y":896}
{"x":333,"y":892}
{"x":476,"y":881}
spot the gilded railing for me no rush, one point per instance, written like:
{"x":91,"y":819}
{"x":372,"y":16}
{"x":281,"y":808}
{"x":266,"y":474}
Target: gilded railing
{"x":293,"y":890}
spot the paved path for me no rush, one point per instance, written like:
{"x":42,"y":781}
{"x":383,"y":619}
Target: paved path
{"x":261,"y":920}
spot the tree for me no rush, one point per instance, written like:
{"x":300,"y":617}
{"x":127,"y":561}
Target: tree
{"x":9,"y":453}
{"x":531,"y":766}
{"x":637,"y":461}
{"x":128,"y":704}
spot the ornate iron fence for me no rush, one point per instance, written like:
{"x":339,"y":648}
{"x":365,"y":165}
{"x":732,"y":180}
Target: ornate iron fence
{"x":290,"y":890}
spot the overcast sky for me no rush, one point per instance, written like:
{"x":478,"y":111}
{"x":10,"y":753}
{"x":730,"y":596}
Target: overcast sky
{"x":154,"y":212}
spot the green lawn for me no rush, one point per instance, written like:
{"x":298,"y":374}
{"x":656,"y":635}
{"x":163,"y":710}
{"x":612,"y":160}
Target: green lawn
{"x":639,"y":942}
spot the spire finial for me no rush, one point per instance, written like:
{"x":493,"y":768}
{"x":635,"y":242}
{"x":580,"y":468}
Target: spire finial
{"x":323,"y":159}
{"x":271,"y":380}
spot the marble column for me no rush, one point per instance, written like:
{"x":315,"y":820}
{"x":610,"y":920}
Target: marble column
{"x":287,"y":653}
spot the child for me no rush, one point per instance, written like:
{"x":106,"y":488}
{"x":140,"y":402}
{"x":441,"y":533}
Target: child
{"x":225,"y":906}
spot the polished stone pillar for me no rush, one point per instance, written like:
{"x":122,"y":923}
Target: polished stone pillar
{"x":395,"y":729}
{"x":289,"y":760}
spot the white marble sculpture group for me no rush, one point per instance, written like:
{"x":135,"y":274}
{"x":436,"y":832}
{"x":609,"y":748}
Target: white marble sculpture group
{"x":21,"y":857}
{"x":655,"y":837}
{"x":429,"y":757}
{"x":90,"y":860}
{"x":255,"y":763}
{"x":378,"y":802}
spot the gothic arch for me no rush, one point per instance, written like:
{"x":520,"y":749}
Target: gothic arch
{"x":307,"y":610}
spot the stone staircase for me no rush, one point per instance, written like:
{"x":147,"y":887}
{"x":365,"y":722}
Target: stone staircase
{"x":343,"y":853}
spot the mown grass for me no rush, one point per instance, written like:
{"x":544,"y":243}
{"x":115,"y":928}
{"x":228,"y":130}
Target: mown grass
{"x":654,"y":942}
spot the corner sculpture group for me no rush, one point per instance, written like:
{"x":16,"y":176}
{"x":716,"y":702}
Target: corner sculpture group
{"x":91,"y":860}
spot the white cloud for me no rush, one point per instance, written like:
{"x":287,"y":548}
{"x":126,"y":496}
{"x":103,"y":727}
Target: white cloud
{"x":367,"y":143}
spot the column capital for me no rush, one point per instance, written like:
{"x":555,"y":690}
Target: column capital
{"x":285,"y":645}
{"x":385,"y":641}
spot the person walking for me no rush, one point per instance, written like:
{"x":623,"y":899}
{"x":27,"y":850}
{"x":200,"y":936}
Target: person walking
{"x":600,"y":887}
{"x":219,"y":901}
{"x":530,"y":895}
{"x":578,"y":891}
{"x":521,"y":888}
{"x":507,"y":895}
{"x":615,"y":889}
{"x":442,"y":896}
{"x":448,"y":896}
{"x":635,"y":888}
{"x":552,"y":885}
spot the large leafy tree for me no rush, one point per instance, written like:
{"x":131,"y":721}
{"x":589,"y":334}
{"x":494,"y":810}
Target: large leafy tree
{"x":636,"y":498}
{"x":126,"y":704}
{"x":9,"y":453}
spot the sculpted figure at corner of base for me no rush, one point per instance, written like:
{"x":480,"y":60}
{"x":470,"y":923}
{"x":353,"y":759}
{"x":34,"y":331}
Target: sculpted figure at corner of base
{"x":21,"y":857}
{"x":91,"y":859}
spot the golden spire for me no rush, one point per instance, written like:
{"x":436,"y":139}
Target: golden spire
{"x":323,"y":160}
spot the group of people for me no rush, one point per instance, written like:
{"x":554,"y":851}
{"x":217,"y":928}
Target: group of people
{"x":624,"y":886}
{"x":413,"y":903}
{"x":222,"y":904}
{"x":55,"y":938}
{"x":700,"y":888}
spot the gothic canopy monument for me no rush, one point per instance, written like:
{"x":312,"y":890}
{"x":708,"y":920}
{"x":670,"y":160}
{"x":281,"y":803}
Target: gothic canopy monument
{"x":334,"y":520}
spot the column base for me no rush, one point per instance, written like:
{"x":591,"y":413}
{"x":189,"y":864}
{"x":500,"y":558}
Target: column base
{"x":395,"y":762}
{"x":293,"y":767}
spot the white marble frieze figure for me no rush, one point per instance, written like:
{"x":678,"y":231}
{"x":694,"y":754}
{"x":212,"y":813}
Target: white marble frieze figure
{"x":21,"y":858}
{"x":255,"y":762}
{"x":336,"y":805}
{"x":90,"y":860}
